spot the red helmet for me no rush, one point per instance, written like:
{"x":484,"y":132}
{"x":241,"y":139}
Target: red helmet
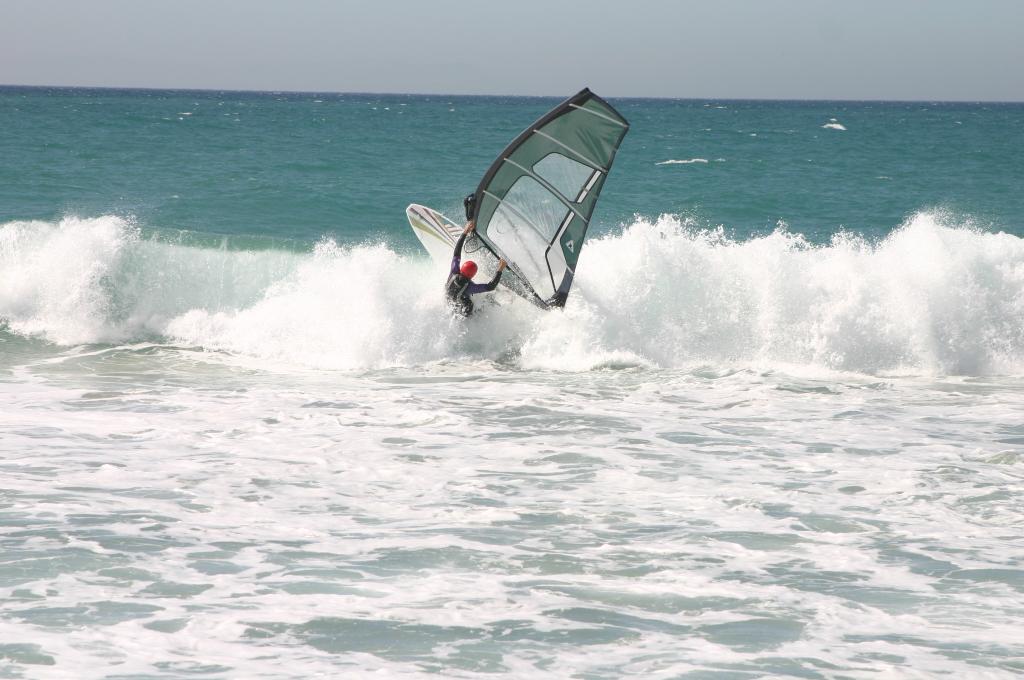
{"x":468,"y":269}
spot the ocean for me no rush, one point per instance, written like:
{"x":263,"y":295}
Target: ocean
{"x":777,"y":431}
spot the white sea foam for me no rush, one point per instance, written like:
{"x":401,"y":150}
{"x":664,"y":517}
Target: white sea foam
{"x":178,"y":513}
{"x":834,"y":124}
{"x":683,"y":162}
{"x":934,"y":298}
{"x":99,"y":280}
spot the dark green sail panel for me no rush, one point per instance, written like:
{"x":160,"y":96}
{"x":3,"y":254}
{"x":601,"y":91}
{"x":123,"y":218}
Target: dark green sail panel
{"x":534,"y":204}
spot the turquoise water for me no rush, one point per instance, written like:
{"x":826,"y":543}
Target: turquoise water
{"x":306,"y":165}
{"x":776,"y":431}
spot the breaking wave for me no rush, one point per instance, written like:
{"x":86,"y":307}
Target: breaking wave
{"x":934,"y":297}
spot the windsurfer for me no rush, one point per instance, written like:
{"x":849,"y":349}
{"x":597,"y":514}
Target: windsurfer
{"x":460,"y":284}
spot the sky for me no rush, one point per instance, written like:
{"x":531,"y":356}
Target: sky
{"x":760,"y":49}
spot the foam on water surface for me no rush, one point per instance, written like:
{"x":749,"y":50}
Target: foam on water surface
{"x":169,"y":513}
{"x":741,"y":458}
{"x":932,"y":298}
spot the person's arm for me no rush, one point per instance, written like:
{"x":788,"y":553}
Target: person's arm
{"x":475,"y":288}
{"x":457,"y":257}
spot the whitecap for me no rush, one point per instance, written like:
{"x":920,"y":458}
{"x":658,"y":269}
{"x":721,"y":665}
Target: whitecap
{"x":683,"y":162}
{"x":931,"y":298}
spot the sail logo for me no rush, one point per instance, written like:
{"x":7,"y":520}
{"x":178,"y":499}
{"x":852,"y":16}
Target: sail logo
{"x":571,"y":245}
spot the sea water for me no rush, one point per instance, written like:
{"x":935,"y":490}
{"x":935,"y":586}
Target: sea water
{"x":778,"y":430}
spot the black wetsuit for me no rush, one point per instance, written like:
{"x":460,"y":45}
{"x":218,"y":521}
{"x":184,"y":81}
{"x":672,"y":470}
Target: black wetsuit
{"x":458,"y":288}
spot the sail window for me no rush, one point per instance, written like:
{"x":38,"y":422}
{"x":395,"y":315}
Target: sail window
{"x":542,"y":210}
{"x":564,"y":174}
{"x":523,"y":244}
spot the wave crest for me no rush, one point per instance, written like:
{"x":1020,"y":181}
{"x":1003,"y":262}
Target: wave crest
{"x":934,"y":297}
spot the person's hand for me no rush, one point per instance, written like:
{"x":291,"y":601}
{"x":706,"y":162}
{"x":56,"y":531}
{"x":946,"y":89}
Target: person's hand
{"x":502,"y":264}
{"x":470,"y":226}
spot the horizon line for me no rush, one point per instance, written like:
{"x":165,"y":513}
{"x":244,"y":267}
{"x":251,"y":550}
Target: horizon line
{"x":520,"y":96}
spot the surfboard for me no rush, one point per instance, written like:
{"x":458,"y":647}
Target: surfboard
{"x":438,"y":235}
{"x":436,"y":232}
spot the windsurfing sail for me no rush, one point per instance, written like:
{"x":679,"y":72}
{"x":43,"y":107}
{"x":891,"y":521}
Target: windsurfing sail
{"x":534,"y":204}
